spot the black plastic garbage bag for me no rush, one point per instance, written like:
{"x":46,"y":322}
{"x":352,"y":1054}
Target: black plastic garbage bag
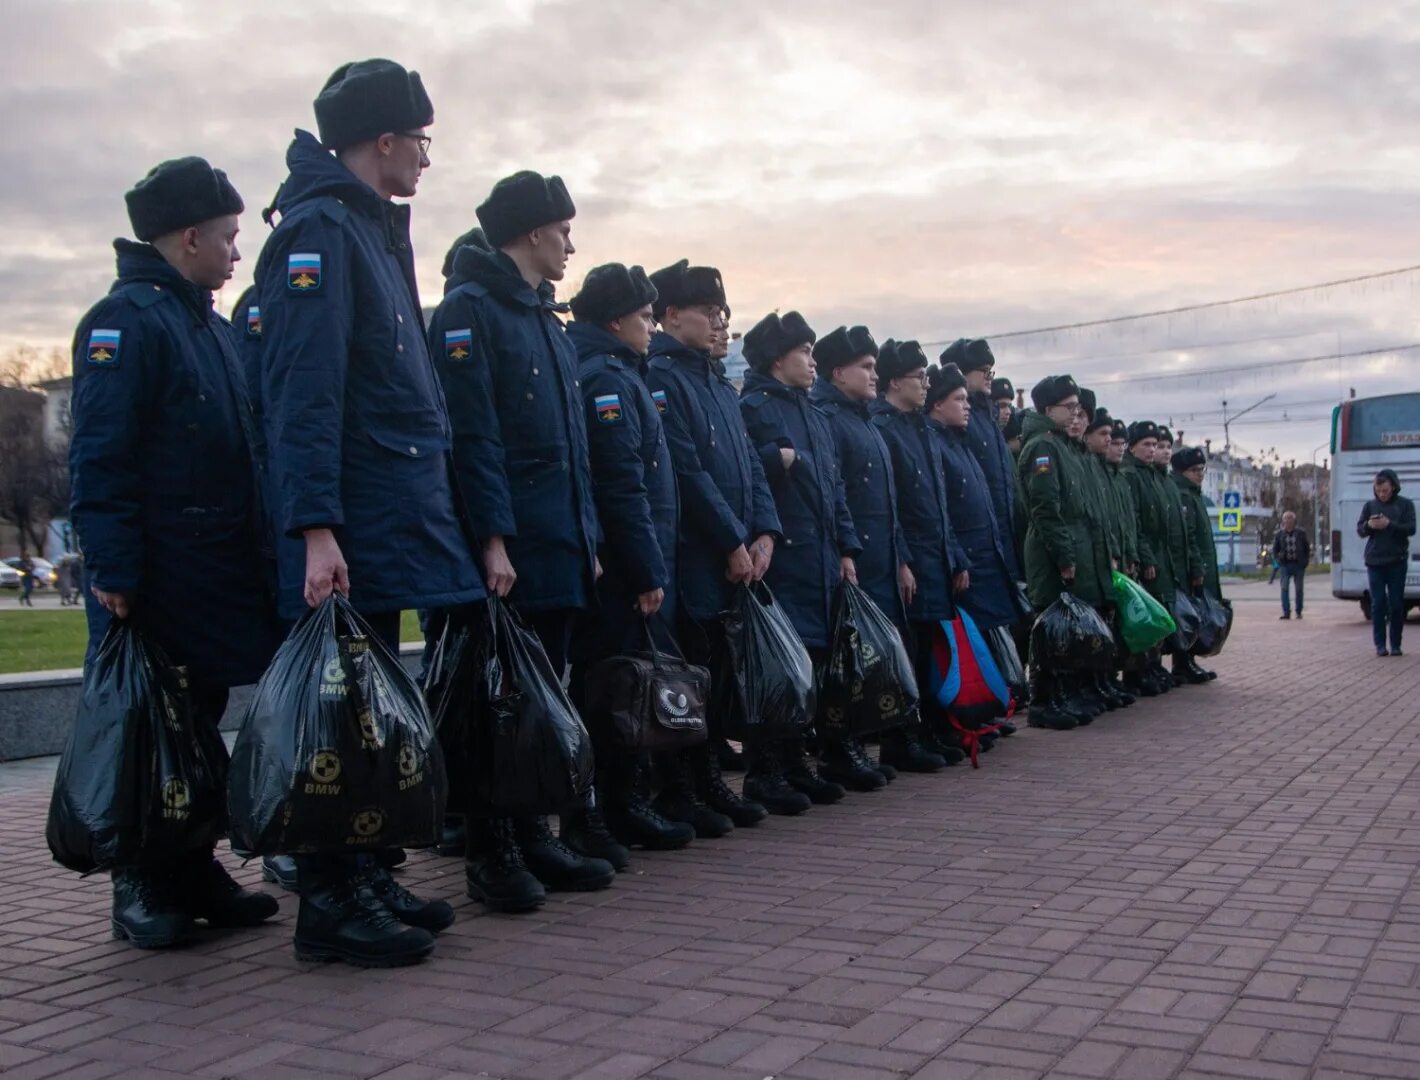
{"x":1008,"y":659}
{"x":772,"y":673}
{"x":451,"y":692}
{"x":866,"y":683}
{"x":1070,"y":635}
{"x":535,"y":754}
{"x":1187,"y":621}
{"x":140,"y":781}
{"x":1215,"y":623}
{"x":337,"y":752}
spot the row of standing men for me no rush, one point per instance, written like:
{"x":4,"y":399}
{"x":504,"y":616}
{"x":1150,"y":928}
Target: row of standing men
{"x":597,"y":475}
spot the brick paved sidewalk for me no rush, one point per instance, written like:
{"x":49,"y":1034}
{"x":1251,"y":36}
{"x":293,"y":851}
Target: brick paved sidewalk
{"x":1221,"y":882}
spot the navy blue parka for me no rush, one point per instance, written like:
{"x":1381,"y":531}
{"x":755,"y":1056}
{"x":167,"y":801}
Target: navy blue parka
{"x":813,"y":511}
{"x":919,"y":466}
{"x":984,"y":437}
{"x":357,"y":428}
{"x":520,"y":440}
{"x":633,"y":481}
{"x":725,"y":500}
{"x":991,"y":597}
{"x":871,"y":492}
{"x":164,"y":466}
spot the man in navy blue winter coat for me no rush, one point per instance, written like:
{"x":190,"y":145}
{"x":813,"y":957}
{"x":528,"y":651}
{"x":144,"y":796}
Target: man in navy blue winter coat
{"x":165,"y":496}
{"x":520,"y":451}
{"x":799,"y":454}
{"x":728,"y":522}
{"x":639,"y":510}
{"x":358,"y":436}
{"x":983,"y":435}
{"x":937,"y":562}
{"x":847,"y":385}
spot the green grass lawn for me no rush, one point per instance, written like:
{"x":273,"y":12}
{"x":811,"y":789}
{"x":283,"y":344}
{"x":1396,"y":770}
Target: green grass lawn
{"x":46,"y":640}
{"x":42,"y":640}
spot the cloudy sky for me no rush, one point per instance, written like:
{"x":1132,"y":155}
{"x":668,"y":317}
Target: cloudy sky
{"x":931,"y":168}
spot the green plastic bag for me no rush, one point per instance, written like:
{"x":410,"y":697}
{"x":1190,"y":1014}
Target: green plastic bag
{"x":1143,"y":621}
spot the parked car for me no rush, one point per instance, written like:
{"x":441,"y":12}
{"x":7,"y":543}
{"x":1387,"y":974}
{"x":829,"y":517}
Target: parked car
{"x":46,"y":576}
{"x":9,"y":577}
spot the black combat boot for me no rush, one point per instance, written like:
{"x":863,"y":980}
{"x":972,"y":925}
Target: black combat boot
{"x":453,"y":837}
{"x":1105,"y":691}
{"x":934,"y":742}
{"x":342,"y":918}
{"x":766,"y":785}
{"x":838,"y":763}
{"x":859,"y":752}
{"x":280,"y":870}
{"x":584,"y":831}
{"x":719,"y":796}
{"x":633,"y":820}
{"x":1186,"y":670}
{"x":680,"y":799}
{"x":146,"y":912}
{"x":1045,"y":710}
{"x":804,"y":778}
{"x":431,"y":915}
{"x":1125,"y":697}
{"x":494,"y":869}
{"x":558,"y":867}
{"x":1199,"y":670}
{"x":903,"y":749}
{"x":1070,"y":700}
{"x":207,"y":891}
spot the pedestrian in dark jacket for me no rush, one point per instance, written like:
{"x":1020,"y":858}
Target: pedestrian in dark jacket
{"x":728,"y":525}
{"x":358,"y":436}
{"x":846,"y":387}
{"x":165,"y":497}
{"x":520,"y":453}
{"x":1292,"y":551}
{"x":1387,"y":522}
{"x":638,"y":507}
{"x":983,"y":434}
{"x":937,"y":563}
{"x":799,"y":455}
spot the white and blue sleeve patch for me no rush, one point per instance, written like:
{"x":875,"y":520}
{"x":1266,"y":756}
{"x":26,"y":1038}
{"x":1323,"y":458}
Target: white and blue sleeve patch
{"x":103,"y":347}
{"x":608,"y":408}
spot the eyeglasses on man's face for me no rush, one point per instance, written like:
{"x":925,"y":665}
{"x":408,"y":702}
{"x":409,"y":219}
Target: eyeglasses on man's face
{"x":424,"y":141}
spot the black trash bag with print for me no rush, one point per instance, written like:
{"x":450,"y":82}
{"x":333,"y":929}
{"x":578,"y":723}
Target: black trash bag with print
{"x":866,"y":683}
{"x":141,"y":781}
{"x":772,"y":674}
{"x":451,"y":692}
{"x":1188,"y":623}
{"x":337,"y":752}
{"x":534,"y":753}
{"x":1008,"y":659}
{"x":1070,"y":635}
{"x":1215,"y":623}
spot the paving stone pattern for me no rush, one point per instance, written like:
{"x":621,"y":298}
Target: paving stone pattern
{"x":1218,"y":883}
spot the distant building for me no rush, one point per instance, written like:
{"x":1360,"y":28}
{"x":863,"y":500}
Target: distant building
{"x":58,"y":420}
{"x":735,"y":364}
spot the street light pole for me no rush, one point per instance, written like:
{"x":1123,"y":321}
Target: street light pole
{"x":1316,"y":497}
{"x":1228,"y":440}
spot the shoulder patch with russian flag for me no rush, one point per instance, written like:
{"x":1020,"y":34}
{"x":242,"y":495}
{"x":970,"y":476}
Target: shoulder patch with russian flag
{"x":608,"y":408}
{"x":1041,"y":464}
{"x":253,"y":321}
{"x":659,"y":397}
{"x":303,"y":271}
{"x":458,"y":344}
{"x":103,"y":347}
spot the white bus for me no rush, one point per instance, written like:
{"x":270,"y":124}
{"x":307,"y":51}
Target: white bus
{"x":1369,"y":434}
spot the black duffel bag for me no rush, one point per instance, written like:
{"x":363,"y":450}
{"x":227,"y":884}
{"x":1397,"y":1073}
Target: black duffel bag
{"x":651,"y":700}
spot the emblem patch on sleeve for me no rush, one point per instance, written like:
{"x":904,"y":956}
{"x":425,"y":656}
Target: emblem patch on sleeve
{"x":659,"y":397}
{"x":1041,"y":465}
{"x":303,"y":272}
{"x":608,"y":408}
{"x":458,"y":344}
{"x":253,"y":321}
{"x":103,"y":347}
